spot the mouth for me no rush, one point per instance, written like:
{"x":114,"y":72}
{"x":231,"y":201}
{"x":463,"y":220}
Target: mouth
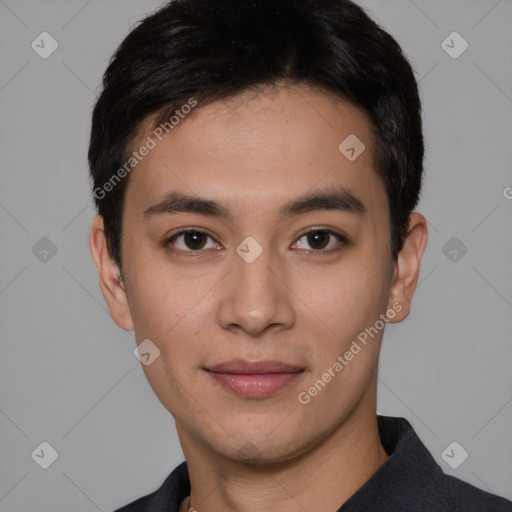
{"x":258,"y":379}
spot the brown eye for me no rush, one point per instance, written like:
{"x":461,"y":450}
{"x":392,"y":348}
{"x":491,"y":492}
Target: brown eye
{"x":321,"y":240}
{"x":190,"y":240}
{"x":194,"y":240}
{"x":318,"y":239}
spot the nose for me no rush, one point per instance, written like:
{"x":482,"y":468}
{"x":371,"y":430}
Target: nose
{"x":255,"y":298}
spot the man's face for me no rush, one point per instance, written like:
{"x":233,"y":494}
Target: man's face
{"x":302,"y":301}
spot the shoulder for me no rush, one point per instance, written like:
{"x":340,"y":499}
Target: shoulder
{"x":167,"y":497}
{"x":138,"y":505}
{"x":450,"y":494}
{"x":411,"y":480}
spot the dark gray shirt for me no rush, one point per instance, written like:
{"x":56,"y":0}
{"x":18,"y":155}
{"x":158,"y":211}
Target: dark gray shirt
{"x":409,"y":481}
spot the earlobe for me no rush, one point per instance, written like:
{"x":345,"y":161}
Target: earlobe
{"x":407,"y":266}
{"x":110,"y":282}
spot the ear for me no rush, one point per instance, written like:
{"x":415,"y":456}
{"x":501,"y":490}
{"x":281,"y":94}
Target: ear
{"x":407,"y":267}
{"x":110,"y":282}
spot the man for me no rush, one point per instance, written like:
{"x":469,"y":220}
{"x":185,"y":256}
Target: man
{"x":256,"y":166}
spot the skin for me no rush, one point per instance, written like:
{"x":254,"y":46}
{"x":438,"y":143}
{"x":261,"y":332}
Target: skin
{"x":254,"y":153}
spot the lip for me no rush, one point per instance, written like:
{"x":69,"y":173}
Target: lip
{"x":242,"y":366}
{"x":258,"y":379}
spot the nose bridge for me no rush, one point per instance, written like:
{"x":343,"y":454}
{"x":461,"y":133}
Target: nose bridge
{"x":253,"y":268}
{"x":255,"y":282}
{"x":255,"y":297}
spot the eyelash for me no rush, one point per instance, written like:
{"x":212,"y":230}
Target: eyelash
{"x":343,"y":242}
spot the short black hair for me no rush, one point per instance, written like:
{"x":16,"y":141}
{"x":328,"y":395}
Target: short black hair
{"x":211,"y":50}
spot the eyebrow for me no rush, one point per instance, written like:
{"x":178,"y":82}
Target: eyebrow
{"x":340,"y":199}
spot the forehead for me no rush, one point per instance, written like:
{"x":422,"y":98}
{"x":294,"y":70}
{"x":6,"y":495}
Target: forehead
{"x":260,"y":147}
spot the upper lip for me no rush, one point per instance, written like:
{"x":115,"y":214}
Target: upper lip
{"x":241,"y":366}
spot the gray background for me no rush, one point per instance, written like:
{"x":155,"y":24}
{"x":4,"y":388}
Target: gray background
{"x":68,"y":374}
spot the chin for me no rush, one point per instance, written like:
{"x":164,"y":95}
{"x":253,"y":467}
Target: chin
{"x":260,"y":447}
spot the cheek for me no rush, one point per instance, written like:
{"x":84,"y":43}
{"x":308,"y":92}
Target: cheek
{"x":346,"y":296}
{"x":346,"y":355}
{"x":159,"y":295}
{"x":348,"y":302}
{"x":168,"y":308}
{"x":154,"y":310}
{"x":163,"y":312}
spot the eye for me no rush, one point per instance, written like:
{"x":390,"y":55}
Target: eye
{"x":194,"y":241}
{"x":321,"y":240}
{"x":191,"y":241}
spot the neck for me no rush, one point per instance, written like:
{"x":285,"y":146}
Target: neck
{"x":322,"y":478}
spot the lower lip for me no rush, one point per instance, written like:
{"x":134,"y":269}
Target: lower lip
{"x":255,"y":386}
